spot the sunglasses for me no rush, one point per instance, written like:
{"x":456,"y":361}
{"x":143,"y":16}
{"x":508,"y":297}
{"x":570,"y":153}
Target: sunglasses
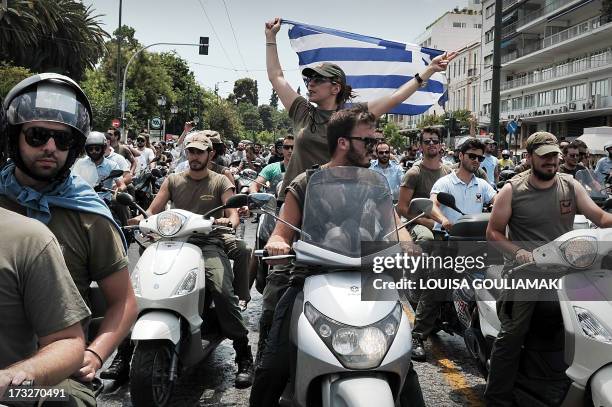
{"x":431,"y":141}
{"x":369,"y":142}
{"x":384,"y":153}
{"x":573,"y":155}
{"x":141,"y":140}
{"x":317,"y":80}
{"x":93,"y":149}
{"x":473,"y":157}
{"x":287,"y":147}
{"x":39,"y":136}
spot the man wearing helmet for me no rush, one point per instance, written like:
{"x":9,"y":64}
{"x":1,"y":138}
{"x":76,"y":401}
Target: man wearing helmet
{"x":95,"y":147}
{"x":47,"y":121}
{"x":506,"y":161}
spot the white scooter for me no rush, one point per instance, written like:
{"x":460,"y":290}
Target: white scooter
{"x":349,"y":352}
{"x":176,"y":326}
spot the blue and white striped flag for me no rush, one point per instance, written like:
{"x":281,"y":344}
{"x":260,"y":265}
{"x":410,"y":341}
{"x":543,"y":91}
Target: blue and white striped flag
{"x":374,"y":67}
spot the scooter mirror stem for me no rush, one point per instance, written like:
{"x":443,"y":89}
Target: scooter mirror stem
{"x":404,"y":225}
{"x":300,"y":231}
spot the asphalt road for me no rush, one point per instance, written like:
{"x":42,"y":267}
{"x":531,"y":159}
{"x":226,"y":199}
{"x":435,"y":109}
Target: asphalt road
{"x":448,"y":377}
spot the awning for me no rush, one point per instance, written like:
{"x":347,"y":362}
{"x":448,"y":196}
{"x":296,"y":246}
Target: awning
{"x":595,"y":138}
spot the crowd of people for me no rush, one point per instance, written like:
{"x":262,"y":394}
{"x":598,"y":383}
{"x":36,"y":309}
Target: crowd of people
{"x":46,"y":128}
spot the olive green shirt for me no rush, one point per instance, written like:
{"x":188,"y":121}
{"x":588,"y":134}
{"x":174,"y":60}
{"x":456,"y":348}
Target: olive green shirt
{"x":92,"y":246}
{"x":37,"y":294}
{"x":198,"y":196}
{"x":421,"y":179}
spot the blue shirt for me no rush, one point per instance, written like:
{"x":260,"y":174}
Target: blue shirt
{"x":603,"y":168}
{"x":393,"y":173}
{"x":104,"y":169}
{"x":470,"y":198}
{"x":489,"y":164}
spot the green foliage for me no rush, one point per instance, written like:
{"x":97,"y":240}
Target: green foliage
{"x":51,"y":36}
{"x":266,"y":116}
{"x":223,"y":118}
{"x":11,"y":76}
{"x":274,"y":100}
{"x":393,"y":136}
{"x":249,"y":116}
{"x":245,"y":91}
{"x":431,"y":120}
{"x":101,"y":95}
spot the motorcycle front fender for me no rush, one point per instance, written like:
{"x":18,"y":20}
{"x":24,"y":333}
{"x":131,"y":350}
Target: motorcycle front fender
{"x":601,"y":387}
{"x":358,"y":391}
{"x":156,"y":325}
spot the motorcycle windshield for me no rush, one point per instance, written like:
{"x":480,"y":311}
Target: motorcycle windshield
{"x":347,"y":206}
{"x":587,"y":178}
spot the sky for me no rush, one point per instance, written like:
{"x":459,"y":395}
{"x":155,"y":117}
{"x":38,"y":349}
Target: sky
{"x":236,"y":30}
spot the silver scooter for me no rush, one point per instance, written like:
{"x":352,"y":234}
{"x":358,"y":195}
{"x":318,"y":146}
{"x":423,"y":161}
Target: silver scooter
{"x":349,"y":352}
{"x":176,"y":325}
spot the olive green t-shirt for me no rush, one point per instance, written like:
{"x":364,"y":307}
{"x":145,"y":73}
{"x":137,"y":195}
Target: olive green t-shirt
{"x":421,"y":179}
{"x":125,"y":152}
{"x":37,"y":294}
{"x":310,"y":147}
{"x":92,"y":246}
{"x":198,"y":196}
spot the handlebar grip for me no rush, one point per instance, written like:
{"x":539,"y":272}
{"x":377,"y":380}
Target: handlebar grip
{"x":261,"y":253}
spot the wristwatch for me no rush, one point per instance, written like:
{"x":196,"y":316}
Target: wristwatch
{"x":422,"y":83}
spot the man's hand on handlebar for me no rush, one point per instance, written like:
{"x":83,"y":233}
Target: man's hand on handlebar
{"x":523,"y":256}
{"x":277,"y":247}
{"x":224,"y":222}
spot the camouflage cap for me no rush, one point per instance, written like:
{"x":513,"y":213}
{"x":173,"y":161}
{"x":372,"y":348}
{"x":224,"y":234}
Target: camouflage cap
{"x":198,"y":140}
{"x":542,"y":143}
{"x":213,"y":136}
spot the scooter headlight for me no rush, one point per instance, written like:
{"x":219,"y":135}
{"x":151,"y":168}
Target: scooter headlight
{"x":169,"y":223}
{"x":356,"y":347}
{"x":189,"y":283}
{"x":580,"y":252}
{"x":591,"y":327}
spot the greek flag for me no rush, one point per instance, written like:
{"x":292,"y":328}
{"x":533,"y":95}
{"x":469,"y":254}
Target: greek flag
{"x":374,"y":67}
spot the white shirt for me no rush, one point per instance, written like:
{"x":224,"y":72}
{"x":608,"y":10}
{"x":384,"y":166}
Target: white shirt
{"x":469,"y":198}
{"x":146,"y":156}
{"x":490,"y":164}
{"x":123,"y":164}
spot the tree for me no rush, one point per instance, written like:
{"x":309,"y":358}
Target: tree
{"x":245,"y":90}
{"x":393,"y":136}
{"x":249,"y":116}
{"x":431,"y":120}
{"x":11,"y":76}
{"x":283,"y":125}
{"x":274,"y":100}
{"x":267,"y":120}
{"x":101,"y":96}
{"x":223,"y":118}
{"x":51,"y":36}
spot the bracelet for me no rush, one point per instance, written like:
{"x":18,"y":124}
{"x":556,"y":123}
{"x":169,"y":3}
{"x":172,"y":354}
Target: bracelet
{"x":96,"y":355}
{"x":269,"y":44}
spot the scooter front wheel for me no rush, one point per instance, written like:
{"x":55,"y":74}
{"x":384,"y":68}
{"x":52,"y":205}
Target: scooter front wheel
{"x":150,"y":383}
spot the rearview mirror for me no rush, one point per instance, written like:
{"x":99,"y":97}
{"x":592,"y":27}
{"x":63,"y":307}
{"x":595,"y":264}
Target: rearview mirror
{"x":124,"y":199}
{"x":115,"y":174}
{"x":448,"y":200}
{"x":423,"y":205}
{"x":237,"y":201}
{"x":261,"y":200}
{"x":156,"y":173}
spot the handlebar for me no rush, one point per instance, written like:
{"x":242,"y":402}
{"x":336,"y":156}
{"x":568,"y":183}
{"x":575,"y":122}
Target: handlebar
{"x":265,"y":255}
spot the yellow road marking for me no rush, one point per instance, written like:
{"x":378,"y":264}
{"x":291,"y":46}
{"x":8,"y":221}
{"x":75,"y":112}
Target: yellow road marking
{"x":453,"y":376}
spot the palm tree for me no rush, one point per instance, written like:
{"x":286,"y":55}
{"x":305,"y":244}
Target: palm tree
{"x":51,"y":35}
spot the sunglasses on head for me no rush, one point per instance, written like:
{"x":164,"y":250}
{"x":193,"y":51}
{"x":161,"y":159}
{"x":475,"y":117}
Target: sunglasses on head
{"x":369,"y":142}
{"x":39,"y":136}
{"x":431,"y":141}
{"x":473,"y":157}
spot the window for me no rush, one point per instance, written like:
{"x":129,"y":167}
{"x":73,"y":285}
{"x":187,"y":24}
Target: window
{"x":559,"y":96}
{"x":504,"y":105}
{"x":489,"y":11}
{"x":488,"y":60}
{"x":464,"y":65}
{"x":517,"y":103}
{"x":473,"y":107}
{"x":478,"y":26}
{"x":488,"y":83}
{"x":544,"y":98}
{"x":529,"y":101}
{"x":600,"y":88}
{"x":457,"y":24}
{"x":454,"y":69}
{"x":490,"y":35}
{"x":578,"y":92}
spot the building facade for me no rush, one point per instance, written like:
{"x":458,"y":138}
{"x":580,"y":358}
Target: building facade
{"x":556,"y":71}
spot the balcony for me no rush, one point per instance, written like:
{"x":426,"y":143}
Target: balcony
{"x":562,"y":36}
{"x":577,"y":66}
{"x":548,"y":8}
{"x":506,"y":4}
{"x":594,"y":106}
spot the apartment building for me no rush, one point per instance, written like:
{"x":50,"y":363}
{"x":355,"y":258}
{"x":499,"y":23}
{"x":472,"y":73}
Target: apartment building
{"x":451,"y":31}
{"x":556,"y":72}
{"x":464,"y":79}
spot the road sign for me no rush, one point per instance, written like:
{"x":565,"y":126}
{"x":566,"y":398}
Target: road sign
{"x":512,"y":127}
{"x":156,"y":123}
{"x":116,"y":123}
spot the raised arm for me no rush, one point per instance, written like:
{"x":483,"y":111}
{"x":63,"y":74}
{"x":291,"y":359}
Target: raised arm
{"x":382,"y":105}
{"x":285,"y":92}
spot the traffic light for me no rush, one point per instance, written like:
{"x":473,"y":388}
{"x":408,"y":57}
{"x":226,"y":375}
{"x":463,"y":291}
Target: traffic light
{"x":203,"y":46}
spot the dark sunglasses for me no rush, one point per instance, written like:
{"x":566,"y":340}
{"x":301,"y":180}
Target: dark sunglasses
{"x":39,"y":136}
{"x":287,"y":147}
{"x":140,"y":140}
{"x":369,"y":142}
{"x":317,"y":80}
{"x":93,"y":149}
{"x":431,"y":141}
{"x":573,"y":155}
{"x":473,"y":157}
{"x":384,"y":153}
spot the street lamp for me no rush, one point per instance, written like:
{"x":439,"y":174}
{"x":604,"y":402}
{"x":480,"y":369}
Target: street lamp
{"x":217,"y":88}
{"x":173,"y":110}
{"x":161,"y":102}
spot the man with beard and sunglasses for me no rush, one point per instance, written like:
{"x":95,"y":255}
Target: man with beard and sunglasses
{"x":199,"y":190}
{"x":533,"y":207}
{"x":46,"y":122}
{"x":146,"y":160}
{"x":388,"y":167}
{"x":351,"y":139}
